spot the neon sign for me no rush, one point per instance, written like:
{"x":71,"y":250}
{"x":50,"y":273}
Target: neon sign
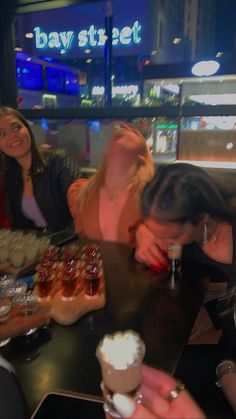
{"x":131,"y":89}
{"x":87,"y":38}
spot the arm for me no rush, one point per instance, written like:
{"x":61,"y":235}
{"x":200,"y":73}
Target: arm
{"x":65,"y":169}
{"x":73,"y":201}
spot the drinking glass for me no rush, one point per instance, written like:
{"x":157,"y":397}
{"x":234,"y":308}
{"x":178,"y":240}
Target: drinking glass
{"x":4,"y":250}
{"x":17,"y":253}
{"x":16,"y":291}
{"x":28,"y":304}
{"x":6,"y":280}
{"x":69,"y":275}
{"x":5,"y":308}
{"x":31,"y":247}
{"x":44,"y":281}
{"x":92,"y":274}
{"x":69,"y":253}
{"x":174,"y":256}
{"x":43,"y":244}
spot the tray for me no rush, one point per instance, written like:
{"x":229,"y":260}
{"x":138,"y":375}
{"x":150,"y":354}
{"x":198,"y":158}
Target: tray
{"x":69,"y":311}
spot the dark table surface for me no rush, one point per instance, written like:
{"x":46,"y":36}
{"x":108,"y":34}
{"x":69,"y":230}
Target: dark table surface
{"x":63,"y":357}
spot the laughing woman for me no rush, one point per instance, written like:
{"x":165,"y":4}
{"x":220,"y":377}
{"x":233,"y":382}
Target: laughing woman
{"x":36,"y":182}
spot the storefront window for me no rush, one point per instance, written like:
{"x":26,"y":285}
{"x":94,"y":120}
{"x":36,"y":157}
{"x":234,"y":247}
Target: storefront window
{"x":209,"y":139}
{"x":161,"y":92}
{"x":210,"y":91}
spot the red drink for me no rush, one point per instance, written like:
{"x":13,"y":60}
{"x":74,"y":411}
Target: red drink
{"x":69,"y":284}
{"x":69,"y":253}
{"x":44,"y":285}
{"x":92,"y":285}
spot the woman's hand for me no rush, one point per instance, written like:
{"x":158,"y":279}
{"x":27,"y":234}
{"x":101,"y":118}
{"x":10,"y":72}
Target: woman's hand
{"x":147,"y":248}
{"x":163,"y":397}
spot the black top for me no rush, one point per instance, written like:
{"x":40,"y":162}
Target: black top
{"x":50,"y":187}
{"x":220,"y":272}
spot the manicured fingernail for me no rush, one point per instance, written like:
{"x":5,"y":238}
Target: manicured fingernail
{"x":124,"y":405}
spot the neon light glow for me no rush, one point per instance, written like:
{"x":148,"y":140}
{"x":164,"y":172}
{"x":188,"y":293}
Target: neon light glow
{"x":205,"y":68}
{"x":131,"y":89}
{"x":86,"y":38}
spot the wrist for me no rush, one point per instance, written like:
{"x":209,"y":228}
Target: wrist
{"x":227,"y":366}
{"x":132,"y":231}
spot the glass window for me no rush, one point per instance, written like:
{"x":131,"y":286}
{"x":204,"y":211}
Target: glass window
{"x":210,"y":91}
{"x":208,"y":138}
{"x":161,"y":92}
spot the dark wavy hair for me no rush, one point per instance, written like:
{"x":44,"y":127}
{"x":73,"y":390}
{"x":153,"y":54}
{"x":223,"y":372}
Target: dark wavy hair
{"x":182,"y":193}
{"x":38,"y":162}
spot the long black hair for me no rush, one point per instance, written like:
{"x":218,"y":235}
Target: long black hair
{"x":181,"y":193}
{"x":38,"y":162}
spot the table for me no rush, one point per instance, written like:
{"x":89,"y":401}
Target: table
{"x":137,"y":298}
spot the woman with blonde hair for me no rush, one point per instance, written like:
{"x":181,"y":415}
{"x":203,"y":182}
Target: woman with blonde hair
{"x":107,"y":205}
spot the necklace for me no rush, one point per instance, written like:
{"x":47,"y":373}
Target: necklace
{"x":114,"y":192}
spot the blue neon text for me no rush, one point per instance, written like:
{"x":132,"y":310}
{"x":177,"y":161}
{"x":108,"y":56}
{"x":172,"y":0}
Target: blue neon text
{"x":91,"y":38}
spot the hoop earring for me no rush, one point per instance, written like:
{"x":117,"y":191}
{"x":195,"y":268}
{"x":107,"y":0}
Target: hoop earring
{"x":205,"y":234}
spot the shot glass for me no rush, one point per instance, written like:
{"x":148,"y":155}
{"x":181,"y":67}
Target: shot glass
{"x":4,"y":250}
{"x":31,"y":247}
{"x":28,"y":304}
{"x":92,"y":274}
{"x":17,"y":254}
{"x":120,"y":357}
{"x":16,"y":291}
{"x":44,"y":284}
{"x":6,"y":280}
{"x":69,"y":253}
{"x":43,"y":244}
{"x":174,"y":256}
{"x":68,"y":280}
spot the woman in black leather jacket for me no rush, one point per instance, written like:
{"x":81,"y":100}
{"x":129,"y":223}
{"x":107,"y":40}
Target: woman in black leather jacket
{"x":36,"y":181}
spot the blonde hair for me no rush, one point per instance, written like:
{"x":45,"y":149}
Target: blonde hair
{"x":145,"y":165}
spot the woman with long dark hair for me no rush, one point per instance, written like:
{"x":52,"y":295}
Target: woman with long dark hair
{"x":36,"y":181}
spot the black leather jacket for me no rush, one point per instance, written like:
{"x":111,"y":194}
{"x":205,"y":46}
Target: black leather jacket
{"x":50,"y":188}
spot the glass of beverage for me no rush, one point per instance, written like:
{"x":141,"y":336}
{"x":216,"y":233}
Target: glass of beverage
{"x":92,"y":274}
{"x":174,"y":256}
{"x":16,"y":291}
{"x":50,"y":254}
{"x":5,"y":309}
{"x":69,"y":276}
{"x":43,"y":244}
{"x":69,"y":253}
{"x":44,"y":284}
{"x":6,"y":280}
{"x":4,"y":250}
{"x":91,"y":252}
{"x":17,"y":254}
{"x":31,"y":247}
{"x":28,"y":304}
{"x":120,"y":356}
